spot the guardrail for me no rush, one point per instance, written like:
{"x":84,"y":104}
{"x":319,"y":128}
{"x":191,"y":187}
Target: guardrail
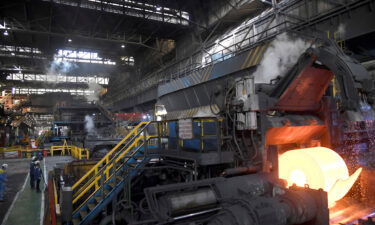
{"x":93,"y":176}
{"x":74,"y":151}
{"x":21,"y":151}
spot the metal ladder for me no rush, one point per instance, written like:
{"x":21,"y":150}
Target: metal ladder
{"x":99,"y":186}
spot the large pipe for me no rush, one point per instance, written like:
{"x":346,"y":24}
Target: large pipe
{"x":177,"y":199}
{"x":248,"y":200}
{"x":294,"y":207}
{"x":186,"y":201}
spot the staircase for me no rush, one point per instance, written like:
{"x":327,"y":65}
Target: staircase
{"x":106,"y":112}
{"x":102,"y":183}
{"x":42,"y":138}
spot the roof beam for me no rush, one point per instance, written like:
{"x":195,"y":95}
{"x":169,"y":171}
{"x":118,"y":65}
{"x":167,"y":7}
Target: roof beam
{"x":13,"y":25}
{"x":131,"y":8}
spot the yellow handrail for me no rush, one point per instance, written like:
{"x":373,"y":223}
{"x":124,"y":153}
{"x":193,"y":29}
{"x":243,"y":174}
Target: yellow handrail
{"x":97,"y":178}
{"x":105,"y":170}
{"x":109,"y":164}
{"x":84,"y":192}
{"x":74,"y":151}
{"x":106,"y":158}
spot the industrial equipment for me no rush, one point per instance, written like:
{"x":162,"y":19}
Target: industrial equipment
{"x":223,"y":166}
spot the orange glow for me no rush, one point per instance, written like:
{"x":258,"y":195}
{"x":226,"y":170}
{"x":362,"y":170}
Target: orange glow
{"x":318,"y":167}
{"x":348,"y":210}
{"x":298,"y":177}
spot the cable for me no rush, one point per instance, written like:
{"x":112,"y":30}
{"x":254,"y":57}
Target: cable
{"x":254,"y":145}
{"x":235,"y":141}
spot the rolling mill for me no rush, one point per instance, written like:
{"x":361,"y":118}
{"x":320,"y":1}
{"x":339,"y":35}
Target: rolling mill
{"x":161,"y":112}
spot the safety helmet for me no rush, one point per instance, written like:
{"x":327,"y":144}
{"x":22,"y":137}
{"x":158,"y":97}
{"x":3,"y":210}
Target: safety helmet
{"x":4,"y":166}
{"x":33,"y":158}
{"x":37,"y":162}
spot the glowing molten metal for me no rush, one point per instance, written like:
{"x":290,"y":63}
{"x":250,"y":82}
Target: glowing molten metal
{"x":318,"y":167}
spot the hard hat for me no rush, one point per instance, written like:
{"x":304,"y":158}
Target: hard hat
{"x":37,"y":162}
{"x":4,"y":166}
{"x":33,"y":158}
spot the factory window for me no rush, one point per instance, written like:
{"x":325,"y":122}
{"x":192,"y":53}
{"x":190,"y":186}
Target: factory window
{"x":128,"y":60}
{"x":81,"y":56}
{"x":9,"y":48}
{"x":40,"y":91}
{"x":20,"y":52}
{"x":58,"y":78}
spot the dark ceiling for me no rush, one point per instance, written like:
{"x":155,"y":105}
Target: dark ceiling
{"x":112,"y":28}
{"x":100,"y":26}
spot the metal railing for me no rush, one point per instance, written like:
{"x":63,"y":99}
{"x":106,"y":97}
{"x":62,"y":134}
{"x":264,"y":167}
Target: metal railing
{"x":18,"y":151}
{"x":234,"y":49}
{"x":22,"y":151}
{"x":76,"y":152}
{"x":91,"y":180}
{"x":175,"y":70}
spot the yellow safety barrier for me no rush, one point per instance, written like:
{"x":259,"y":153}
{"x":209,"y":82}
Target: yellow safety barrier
{"x":19,"y":151}
{"x":79,"y":153}
{"x":93,"y":176}
{"x":76,"y":152}
{"x":11,"y":149}
{"x":65,"y":149}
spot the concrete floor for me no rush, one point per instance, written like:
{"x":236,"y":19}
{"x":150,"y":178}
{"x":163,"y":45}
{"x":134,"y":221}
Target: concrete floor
{"x":23,"y":204}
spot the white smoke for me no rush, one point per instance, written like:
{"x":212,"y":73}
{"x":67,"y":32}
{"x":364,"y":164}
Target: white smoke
{"x":59,"y":66}
{"x":341,"y":30}
{"x":94,"y":89}
{"x":90,"y":125}
{"x":279,"y":57}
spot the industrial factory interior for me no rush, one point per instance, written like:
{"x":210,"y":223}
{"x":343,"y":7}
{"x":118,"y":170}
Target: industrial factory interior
{"x":188,"y":112}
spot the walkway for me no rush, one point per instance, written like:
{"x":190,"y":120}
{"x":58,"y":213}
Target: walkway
{"x":27,"y":204}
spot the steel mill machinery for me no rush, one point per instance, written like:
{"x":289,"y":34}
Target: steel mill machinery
{"x":220,"y":165}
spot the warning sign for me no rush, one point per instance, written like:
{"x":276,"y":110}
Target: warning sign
{"x":185,"y":128}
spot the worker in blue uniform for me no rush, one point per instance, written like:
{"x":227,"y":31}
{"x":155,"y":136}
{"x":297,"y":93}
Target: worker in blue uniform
{"x":38,"y":175}
{"x":32,"y":168}
{"x":3,"y":179}
{"x":40,"y":156}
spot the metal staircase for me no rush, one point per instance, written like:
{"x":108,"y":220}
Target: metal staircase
{"x":106,"y":112}
{"x":102,"y":183}
{"x":42,"y":138}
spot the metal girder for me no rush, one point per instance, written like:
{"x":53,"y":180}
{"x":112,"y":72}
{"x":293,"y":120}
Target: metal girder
{"x":285,"y":10}
{"x":336,"y":2}
{"x":293,"y":16}
{"x":131,"y":8}
{"x":13,"y":25}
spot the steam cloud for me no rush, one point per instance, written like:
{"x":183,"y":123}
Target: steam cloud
{"x":341,"y":30}
{"x":60,"y":66}
{"x":89,"y":125}
{"x":279,"y":57}
{"x":95,"y":89}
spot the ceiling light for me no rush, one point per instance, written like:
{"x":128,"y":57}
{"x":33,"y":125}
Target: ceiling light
{"x":12,"y":53}
{"x":69,"y":40}
{"x":122,"y":46}
{"x":158,"y":8}
{"x":6,"y":33}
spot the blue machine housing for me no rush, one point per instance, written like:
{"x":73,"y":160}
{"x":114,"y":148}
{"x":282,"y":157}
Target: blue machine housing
{"x":206,"y":135}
